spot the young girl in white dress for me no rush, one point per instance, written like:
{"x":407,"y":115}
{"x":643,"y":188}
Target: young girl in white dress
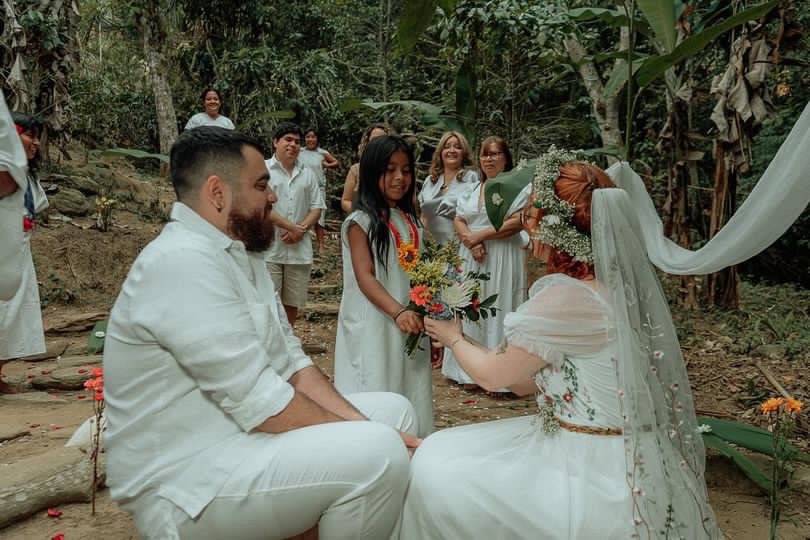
{"x":615,"y":450}
{"x":373,"y":323}
{"x":501,"y":253}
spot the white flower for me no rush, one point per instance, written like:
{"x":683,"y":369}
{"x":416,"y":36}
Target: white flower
{"x":551,"y":219}
{"x":497,"y":200}
{"x":458,"y":295}
{"x":704,"y":428}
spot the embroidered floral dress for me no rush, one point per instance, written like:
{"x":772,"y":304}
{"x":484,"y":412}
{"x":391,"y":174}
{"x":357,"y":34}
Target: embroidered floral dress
{"x":526,"y":477}
{"x":370,"y":348}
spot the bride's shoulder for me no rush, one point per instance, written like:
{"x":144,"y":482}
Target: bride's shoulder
{"x":561,"y":290}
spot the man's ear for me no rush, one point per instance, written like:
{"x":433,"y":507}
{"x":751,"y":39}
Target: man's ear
{"x":215,"y":192}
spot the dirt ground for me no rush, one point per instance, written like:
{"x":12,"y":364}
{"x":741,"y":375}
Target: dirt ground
{"x":80,"y":270}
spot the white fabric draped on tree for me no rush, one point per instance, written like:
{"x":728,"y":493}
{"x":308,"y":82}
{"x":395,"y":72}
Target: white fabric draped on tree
{"x":778,"y":199}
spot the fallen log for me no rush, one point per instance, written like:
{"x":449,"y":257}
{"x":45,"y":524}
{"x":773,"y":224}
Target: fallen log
{"x":78,"y":361}
{"x":33,"y":484}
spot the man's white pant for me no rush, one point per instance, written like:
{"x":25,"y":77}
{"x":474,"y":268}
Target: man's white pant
{"x":349,"y":477}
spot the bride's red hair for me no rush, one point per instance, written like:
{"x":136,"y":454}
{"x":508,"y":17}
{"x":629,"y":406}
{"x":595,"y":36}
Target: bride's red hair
{"x":576,"y":184}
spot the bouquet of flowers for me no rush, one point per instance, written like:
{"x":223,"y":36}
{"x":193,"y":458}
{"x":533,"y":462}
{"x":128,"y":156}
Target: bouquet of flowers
{"x":440,"y":290}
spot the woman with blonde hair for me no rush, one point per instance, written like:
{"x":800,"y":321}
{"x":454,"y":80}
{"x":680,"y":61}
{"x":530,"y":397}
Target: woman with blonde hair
{"x":353,"y":176}
{"x":615,"y":451}
{"x":499,"y":253}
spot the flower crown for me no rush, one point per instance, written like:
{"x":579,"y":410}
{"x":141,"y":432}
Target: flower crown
{"x":558,"y":228}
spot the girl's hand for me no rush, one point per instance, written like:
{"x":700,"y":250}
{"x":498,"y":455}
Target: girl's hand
{"x":468,"y":239}
{"x":445,"y":332}
{"x":410,"y":322}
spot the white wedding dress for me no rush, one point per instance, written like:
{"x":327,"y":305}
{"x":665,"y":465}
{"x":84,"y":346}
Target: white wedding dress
{"x":509,"y":479}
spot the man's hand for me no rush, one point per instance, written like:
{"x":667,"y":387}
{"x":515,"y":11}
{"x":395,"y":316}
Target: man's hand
{"x":469,"y":239}
{"x":294,"y":235}
{"x":411,"y":442}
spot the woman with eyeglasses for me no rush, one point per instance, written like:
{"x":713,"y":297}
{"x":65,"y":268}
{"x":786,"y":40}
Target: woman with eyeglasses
{"x":500,"y":253}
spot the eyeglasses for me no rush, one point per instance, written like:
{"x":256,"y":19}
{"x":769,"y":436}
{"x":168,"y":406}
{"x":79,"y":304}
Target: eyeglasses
{"x":492,"y":156}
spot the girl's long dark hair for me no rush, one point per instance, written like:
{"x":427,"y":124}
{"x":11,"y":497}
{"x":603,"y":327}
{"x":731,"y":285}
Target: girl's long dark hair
{"x":370,"y":199}
{"x":32,"y":126}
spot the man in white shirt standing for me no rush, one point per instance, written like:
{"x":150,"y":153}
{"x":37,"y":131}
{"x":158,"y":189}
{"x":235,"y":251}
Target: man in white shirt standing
{"x":217,"y":420}
{"x":298,"y":209}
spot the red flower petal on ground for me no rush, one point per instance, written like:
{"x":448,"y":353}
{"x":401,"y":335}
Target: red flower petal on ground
{"x":54,"y":513}
{"x":82,"y":371}
{"x":81,"y":396}
{"x":98,"y":372}
{"x":469,"y":402}
{"x":58,"y":536}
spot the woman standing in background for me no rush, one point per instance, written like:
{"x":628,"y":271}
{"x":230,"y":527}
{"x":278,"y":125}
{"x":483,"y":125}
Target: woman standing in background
{"x":212,"y":104}
{"x":353,"y":176}
{"x":317,"y":159}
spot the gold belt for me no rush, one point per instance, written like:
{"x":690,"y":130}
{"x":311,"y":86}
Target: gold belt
{"x":590,"y":430}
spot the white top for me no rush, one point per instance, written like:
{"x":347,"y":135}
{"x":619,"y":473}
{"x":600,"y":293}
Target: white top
{"x":439,"y":207}
{"x":297,"y":194}
{"x":198,"y":353}
{"x":313,"y":159}
{"x":203,"y":119}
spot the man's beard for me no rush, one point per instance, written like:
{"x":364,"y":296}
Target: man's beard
{"x":255,"y":231}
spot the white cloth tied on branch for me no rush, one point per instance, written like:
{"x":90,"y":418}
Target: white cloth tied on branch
{"x":779,"y":198}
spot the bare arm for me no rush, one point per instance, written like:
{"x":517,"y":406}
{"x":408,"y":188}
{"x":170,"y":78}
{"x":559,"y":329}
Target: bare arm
{"x":311,"y":382}
{"x":491,"y":369}
{"x":347,"y":199}
{"x":511,"y":226}
{"x":7,"y":184}
{"x":330,"y":161}
{"x":302,"y":411}
{"x":282,"y":222}
{"x":525,"y":388}
{"x":311,"y":218}
{"x":363,"y":265}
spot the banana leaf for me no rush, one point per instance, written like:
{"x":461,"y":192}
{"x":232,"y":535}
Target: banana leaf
{"x":501,"y":191}
{"x":95,"y":341}
{"x":747,"y":466}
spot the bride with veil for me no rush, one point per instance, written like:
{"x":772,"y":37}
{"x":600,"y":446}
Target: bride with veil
{"x":615,"y":450}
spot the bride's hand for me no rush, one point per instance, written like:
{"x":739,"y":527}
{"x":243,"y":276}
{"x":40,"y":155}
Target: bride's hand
{"x":445,"y":332}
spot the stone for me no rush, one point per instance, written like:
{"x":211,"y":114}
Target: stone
{"x":55,"y":348}
{"x":78,"y":361}
{"x":9,"y":433}
{"x":314,"y":348}
{"x":32,"y":397}
{"x":88,"y":186}
{"x":70,"y":202}
{"x":317,"y":310}
{"x":78,"y":322}
{"x":801,"y":478}
{"x":62,"y":379}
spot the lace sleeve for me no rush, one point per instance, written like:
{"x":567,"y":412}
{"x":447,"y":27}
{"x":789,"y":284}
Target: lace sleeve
{"x":563,"y":316}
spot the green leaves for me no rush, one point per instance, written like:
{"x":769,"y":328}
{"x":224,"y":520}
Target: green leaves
{"x":746,"y":465}
{"x":416,"y":17}
{"x":656,"y":66}
{"x":466,"y":83}
{"x":748,"y":436}
{"x":660,"y":15}
{"x":501,"y":191}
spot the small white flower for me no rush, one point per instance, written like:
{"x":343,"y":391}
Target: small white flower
{"x":551,"y":219}
{"x":704,"y":428}
{"x":497,"y":200}
{"x":458,"y":295}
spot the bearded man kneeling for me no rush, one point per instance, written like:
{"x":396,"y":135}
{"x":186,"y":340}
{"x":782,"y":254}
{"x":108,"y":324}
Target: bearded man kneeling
{"x":219,"y":426}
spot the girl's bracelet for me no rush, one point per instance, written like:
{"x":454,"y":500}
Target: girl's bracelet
{"x":400,"y":312}
{"x":459,"y":338}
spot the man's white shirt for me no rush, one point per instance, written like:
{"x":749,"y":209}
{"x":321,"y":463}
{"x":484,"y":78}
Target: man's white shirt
{"x":198,"y":353}
{"x":298,"y":193}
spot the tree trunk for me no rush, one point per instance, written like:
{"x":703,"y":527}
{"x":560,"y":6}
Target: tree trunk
{"x":153,"y":39}
{"x":44,"y":481}
{"x":723,"y":287}
{"x":605,"y":109}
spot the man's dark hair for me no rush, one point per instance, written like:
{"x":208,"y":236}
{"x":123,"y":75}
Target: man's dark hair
{"x":201,"y":152}
{"x":33,"y":126}
{"x":285,"y":128}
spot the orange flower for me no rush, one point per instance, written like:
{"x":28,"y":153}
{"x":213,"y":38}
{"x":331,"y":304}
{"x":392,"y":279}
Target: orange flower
{"x":408,"y":256}
{"x":793,"y":405}
{"x":772,"y":405}
{"x":97,"y":372}
{"x":421,"y":295}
